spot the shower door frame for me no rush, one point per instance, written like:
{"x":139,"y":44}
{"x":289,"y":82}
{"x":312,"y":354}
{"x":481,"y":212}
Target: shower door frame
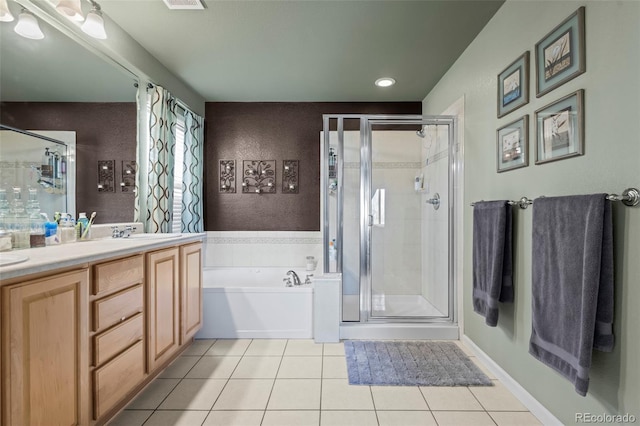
{"x":366,"y":121}
{"x":366,"y":228}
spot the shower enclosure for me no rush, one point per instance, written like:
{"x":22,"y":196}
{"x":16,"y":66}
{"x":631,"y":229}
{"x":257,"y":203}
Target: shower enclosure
{"x":388,"y":190}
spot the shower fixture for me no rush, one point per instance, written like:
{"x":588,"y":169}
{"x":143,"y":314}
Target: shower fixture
{"x":422,"y":132}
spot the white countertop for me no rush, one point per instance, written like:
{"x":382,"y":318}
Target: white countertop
{"x":65,"y":255}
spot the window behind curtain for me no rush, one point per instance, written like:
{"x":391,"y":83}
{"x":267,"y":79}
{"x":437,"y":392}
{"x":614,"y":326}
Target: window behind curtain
{"x":176,"y":225}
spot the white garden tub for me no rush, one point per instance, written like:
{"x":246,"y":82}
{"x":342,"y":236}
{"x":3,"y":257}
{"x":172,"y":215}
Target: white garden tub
{"x":254,"y":303}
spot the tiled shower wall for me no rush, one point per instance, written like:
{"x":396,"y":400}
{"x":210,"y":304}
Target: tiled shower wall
{"x":287,"y":249}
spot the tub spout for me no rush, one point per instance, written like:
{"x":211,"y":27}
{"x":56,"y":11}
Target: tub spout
{"x":296,"y":278}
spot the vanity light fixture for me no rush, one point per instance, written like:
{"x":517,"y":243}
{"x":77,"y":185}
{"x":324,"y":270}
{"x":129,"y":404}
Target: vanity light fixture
{"x":70,"y":9}
{"x":28,"y":27}
{"x":5,"y":13}
{"x":385,"y":82}
{"x":94,"y":24}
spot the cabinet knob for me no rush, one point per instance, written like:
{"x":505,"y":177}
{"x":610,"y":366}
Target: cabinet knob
{"x":123,"y":318}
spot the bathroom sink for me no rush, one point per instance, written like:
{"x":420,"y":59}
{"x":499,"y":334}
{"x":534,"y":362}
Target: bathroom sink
{"x":10,"y":259}
{"x":152,"y":236}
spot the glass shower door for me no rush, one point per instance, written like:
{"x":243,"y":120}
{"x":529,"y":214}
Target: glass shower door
{"x":408,"y":249}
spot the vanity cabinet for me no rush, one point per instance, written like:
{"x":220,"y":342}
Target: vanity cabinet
{"x":190,"y":291}
{"x":117,"y":313}
{"x":163,"y":306}
{"x":45,"y":345}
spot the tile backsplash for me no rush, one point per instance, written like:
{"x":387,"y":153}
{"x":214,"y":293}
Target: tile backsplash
{"x":262,"y":248}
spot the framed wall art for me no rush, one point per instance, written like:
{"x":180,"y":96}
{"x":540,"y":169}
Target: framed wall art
{"x":513,"y":145}
{"x":560,"y":129}
{"x":560,"y":55}
{"x":513,"y":85}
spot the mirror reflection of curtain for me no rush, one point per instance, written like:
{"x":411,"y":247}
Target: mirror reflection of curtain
{"x":192,"y":175}
{"x":154,"y":198}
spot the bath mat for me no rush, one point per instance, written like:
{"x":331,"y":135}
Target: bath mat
{"x":411,"y":363}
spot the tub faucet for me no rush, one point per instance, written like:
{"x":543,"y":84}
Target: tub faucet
{"x":296,"y":278}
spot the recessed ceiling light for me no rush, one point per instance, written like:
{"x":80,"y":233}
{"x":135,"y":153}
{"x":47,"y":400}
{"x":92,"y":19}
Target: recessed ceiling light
{"x":385,"y":82}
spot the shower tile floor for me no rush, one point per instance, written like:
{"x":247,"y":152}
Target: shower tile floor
{"x":411,"y":305}
{"x":298,"y":382}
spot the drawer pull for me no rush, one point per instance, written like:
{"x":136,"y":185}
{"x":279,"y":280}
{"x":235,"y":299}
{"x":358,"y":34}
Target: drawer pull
{"x":123,"y":318}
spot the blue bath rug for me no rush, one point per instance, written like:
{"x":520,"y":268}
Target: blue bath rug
{"x":411,"y":363}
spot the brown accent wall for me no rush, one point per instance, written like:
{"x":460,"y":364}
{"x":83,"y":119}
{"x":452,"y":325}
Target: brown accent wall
{"x":273,"y":131}
{"x":104,"y":131}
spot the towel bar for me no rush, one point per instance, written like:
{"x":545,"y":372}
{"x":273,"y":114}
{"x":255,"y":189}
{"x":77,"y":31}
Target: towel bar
{"x":630,"y":197}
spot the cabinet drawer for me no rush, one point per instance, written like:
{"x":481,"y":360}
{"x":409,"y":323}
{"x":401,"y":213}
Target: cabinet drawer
{"x":115,"y":340}
{"x":116,"y":308}
{"x":118,"y":274}
{"x":117,"y":378}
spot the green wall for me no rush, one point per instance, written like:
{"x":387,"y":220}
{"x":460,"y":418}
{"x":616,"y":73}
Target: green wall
{"x":610,"y":164}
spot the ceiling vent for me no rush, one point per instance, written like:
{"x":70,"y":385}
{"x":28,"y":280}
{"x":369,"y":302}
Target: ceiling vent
{"x":184,"y":4}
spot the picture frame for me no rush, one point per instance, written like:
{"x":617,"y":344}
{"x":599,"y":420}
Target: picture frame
{"x":560,"y":129}
{"x":513,"y":85}
{"x":560,"y":55}
{"x":513,"y":145}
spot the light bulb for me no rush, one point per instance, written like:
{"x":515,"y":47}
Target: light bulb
{"x":71,"y":9}
{"x":28,"y":27}
{"x":94,"y":25}
{"x":5,"y":13}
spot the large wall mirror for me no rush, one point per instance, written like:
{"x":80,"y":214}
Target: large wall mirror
{"x":56,"y":84}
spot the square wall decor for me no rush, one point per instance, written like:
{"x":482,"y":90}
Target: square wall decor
{"x":259,"y":177}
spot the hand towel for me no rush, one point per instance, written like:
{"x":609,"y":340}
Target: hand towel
{"x":492,"y":258}
{"x":572,"y":283}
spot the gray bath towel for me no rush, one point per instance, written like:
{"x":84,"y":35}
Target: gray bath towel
{"x":492,"y":258}
{"x":572,"y":283}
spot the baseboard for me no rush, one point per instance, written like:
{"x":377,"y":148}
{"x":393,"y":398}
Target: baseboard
{"x":255,"y":334}
{"x":545,"y":416}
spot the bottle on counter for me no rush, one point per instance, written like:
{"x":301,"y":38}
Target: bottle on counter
{"x":81,"y":225}
{"x":5,"y":212}
{"x":50,"y":231}
{"x":66,"y":229}
{"x":18,"y":222}
{"x":36,"y":220}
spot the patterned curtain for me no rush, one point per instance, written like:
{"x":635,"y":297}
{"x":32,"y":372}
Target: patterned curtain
{"x":154,"y":185}
{"x":192,"y":220}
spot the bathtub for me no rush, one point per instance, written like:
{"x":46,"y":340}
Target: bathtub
{"x":254,"y":303}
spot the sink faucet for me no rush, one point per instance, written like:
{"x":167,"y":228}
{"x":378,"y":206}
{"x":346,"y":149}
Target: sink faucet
{"x":296,"y":278}
{"x":126,"y":233}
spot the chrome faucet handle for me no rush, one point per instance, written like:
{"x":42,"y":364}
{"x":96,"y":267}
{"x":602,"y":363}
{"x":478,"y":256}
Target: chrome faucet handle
{"x":287,"y":282}
{"x":115,"y":233}
{"x":307,"y":279}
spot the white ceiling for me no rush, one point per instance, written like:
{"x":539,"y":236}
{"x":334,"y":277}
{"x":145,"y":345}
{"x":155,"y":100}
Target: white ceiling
{"x":305,"y":50}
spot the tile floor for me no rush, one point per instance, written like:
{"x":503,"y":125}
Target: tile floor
{"x":298,"y":382}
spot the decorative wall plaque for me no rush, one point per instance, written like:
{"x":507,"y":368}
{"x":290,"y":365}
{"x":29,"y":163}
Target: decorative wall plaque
{"x":106,"y":172}
{"x":290,"y":176}
{"x":259,"y":177}
{"x":227,"y":170}
{"x":128,"y":182}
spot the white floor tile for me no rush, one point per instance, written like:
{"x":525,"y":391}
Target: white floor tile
{"x":245,"y":394}
{"x":450,"y":398}
{"x":398,"y":398}
{"x":295,"y":394}
{"x":300,"y":367}
{"x":193,"y":394}
{"x":303,"y":347}
{"x":234,"y":418}
{"x":266,"y":347}
{"x":154,"y":394}
{"x":257,"y":367}
{"x":348,"y":418}
{"x":497,"y":398}
{"x":131,"y":418}
{"x":214,"y":367}
{"x":333,"y":349}
{"x":511,"y":418}
{"x":179,"y":368}
{"x":460,"y":418}
{"x":334,"y":367}
{"x":177,"y":418}
{"x":224,"y":347}
{"x":405,"y":418}
{"x":199,"y":347}
{"x":291,"y":418}
{"x":337,"y":394}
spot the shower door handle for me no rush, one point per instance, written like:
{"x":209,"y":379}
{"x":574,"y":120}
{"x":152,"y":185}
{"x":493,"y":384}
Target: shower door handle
{"x":370,"y":220}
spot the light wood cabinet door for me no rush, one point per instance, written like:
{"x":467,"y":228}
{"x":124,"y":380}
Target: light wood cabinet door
{"x":190,"y":291}
{"x":163,"y":306}
{"x":45,"y":357}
